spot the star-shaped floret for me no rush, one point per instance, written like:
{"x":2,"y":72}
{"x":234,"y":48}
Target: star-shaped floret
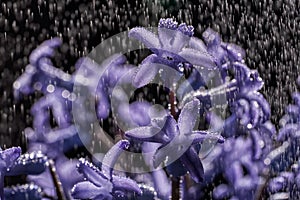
{"x":173,"y":47}
{"x":176,"y":139}
{"x":12,"y":163}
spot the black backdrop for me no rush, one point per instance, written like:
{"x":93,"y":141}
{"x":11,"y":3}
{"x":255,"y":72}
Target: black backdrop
{"x":268,"y":30}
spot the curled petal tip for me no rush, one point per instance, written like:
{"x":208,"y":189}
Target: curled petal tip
{"x":187,"y":30}
{"x":168,"y":23}
{"x":10,"y":155}
{"x":112,"y":156}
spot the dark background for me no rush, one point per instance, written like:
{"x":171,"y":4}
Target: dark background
{"x":268,"y":30}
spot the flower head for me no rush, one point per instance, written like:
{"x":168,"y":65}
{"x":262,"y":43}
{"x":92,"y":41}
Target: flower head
{"x":176,"y":139}
{"x":12,"y":163}
{"x":241,"y":171}
{"x":102,"y":183}
{"x":173,"y":47}
{"x":41,"y":72}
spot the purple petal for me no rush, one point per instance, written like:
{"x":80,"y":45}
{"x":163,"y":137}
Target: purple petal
{"x":255,"y":113}
{"x":87,"y":190}
{"x":46,"y":67}
{"x":161,"y":183}
{"x":114,"y":60}
{"x":146,"y":37}
{"x":257,"y":140}
{"x":235,"y":52}
{"x":188,"y":116}
{"x":198,"y":45}
{"x":60,"y":108}
{"x":146,"y":72}
{"x":168,"y":23}
{"x":180,"y":40}
{"x":162,"y":152}
{"x":147,"y":134}
{"x":126,"y":184}
{"x":135,"y":114}
{"x":112,"y":156}
{"x":197,"y":58}
{"x":263,"y":103}
{"x":139,"y":113}
{"x":24,"y":82}
{"x":168,"y":125}
{"x":192,"y":162}
{"x":222,"y":191}
{"x":44,"y":180}
{"x":234,"y":172}
{"x":173,"y":150}
{"x":56,"y":135}
{"x":54,"y":42}
{"x":102,"y":103}
{"x":29,"y":163}
{"x":246,"y":184}
{"x":276,"y":184}
{"x":46,"y":49}
{"x":186,"y":30}
{"x":66,"y":170}
{"x":241,"y":71}
{"x":91,"y":173}
{"x":200,"y":136}
{"x":211,"y":38}
{"x":242,"y":109}
{"x":9,"y":156}
{"x":165,"y":36}
{"x":37,"y":54}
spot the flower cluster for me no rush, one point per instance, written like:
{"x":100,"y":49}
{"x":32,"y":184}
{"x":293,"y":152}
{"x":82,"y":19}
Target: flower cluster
{"x":235,"y":156}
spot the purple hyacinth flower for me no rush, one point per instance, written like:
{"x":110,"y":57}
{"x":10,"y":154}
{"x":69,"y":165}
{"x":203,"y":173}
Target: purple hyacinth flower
{"x":222,"y":52}
{"x":174,"y":47}
{"x":251,"y":109}
{"x":260,"y":135}
{"x":102,"y":184}
{"x":240,"y":170}
{"x":248,"y":106}
{"x":116,"y":72}
{"x":283,"y":156}
{"x":285,"y":182}
{"x":100,"y":80}
{"x":176,"y":139}
{"x":12,"y":163}
{"x":28,"y":163}
{"x":41,"y":72}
